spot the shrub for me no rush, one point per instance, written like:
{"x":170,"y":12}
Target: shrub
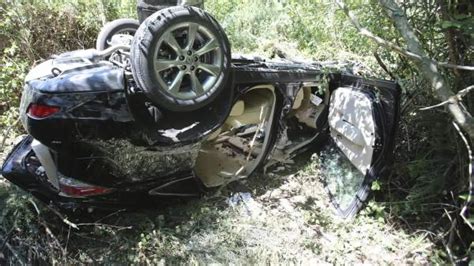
{"x":33,"y":30}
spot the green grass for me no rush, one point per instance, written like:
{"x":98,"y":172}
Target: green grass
{"x":287,"y":219}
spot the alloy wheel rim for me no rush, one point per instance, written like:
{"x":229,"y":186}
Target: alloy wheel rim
{"x":187,"y":61}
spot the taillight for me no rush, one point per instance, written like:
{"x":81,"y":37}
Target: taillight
{"x":42,"y":111}
{"x":77,"y":189}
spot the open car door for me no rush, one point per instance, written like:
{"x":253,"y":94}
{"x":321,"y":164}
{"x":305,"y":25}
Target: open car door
{"x":363,"y":117}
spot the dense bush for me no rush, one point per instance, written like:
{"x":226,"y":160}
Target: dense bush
{"x":316,"y":30}
{"x":31,"y":31}
{"x":430,"y":170}
{"x":429,"y":177}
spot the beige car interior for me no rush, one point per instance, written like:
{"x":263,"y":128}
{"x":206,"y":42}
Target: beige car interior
{"x":352,"y":126}
{"x":235,"y":149}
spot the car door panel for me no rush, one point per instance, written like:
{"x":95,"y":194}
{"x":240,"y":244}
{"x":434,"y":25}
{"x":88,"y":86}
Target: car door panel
{"x":352,"y":126}
{"x":363,"y":116}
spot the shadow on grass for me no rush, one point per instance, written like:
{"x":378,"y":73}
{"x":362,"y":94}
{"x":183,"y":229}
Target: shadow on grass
{"x":286,"y":219}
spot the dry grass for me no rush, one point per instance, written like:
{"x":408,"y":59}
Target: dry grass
{"x":277,"y":218}
{"x":286,"y":220}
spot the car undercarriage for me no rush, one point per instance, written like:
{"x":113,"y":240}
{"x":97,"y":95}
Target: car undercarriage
{"x":169,"y":112}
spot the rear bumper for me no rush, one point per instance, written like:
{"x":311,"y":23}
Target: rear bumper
{"x":18,"y":171}
{"x":15,"y":170}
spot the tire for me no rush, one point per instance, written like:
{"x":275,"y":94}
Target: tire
{"x":119,"y":26}
{"x":177,"y":72}
{"x":146,"y":8}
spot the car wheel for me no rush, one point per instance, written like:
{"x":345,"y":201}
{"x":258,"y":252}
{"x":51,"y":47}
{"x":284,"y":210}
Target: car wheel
{"x":180,"y":58}
{"x":120,"y":30}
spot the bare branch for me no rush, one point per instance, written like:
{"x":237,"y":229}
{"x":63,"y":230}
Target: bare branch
{"x":448,"y":65}
{"x":427,"y":66}
{"x":383,"y":66}
{"x":464,"y":92}
{"x":467,"y":204}
{"x":64,"y":219}
{"x":454,"y":99}
{"x":363,"y":31}
{"x":441,"y":104}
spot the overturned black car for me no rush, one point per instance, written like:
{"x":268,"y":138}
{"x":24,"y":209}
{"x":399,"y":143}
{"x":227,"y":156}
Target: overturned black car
{"x":161,"y":109}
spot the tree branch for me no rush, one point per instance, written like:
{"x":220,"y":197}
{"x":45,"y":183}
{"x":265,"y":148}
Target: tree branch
{"x":455,"y":98}
{"x":468,"y":203}
{"x":383,"y":66}
{"x":363,"y":31}
{"x":428,"y":66}
{"x":453,"y":66}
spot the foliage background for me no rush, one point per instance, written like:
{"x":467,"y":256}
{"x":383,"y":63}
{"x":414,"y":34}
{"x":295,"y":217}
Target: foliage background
{"x":428,"y":181}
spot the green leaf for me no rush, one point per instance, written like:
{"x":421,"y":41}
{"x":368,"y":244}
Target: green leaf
{"x":446,"y":24}
{"x":464,"y":196}
{"x":375,"y":186}
{"x":461,"y":16}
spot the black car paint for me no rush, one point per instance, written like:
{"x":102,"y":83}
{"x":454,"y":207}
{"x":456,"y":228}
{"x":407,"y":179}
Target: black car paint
{"x":109,"y":107}
{"x":17,"y":170}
